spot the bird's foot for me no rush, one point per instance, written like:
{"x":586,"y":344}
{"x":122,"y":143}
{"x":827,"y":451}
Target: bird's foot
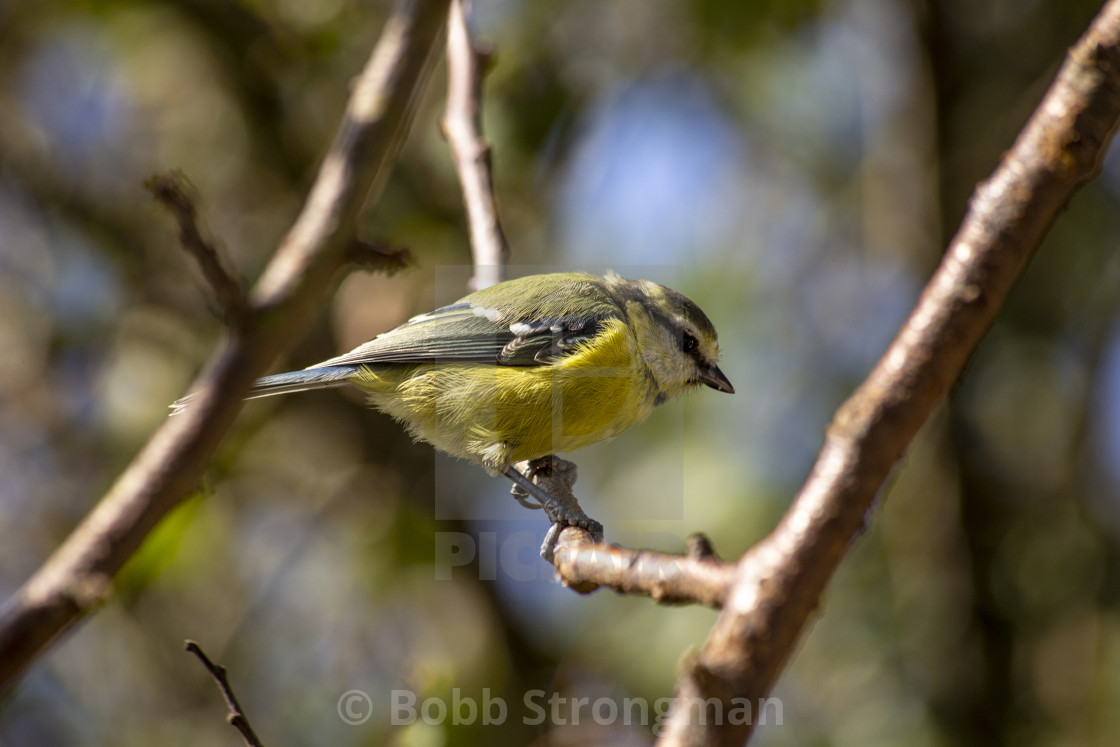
{"x":544,"y":466}
{"x":552,"y":464}
{"x":563,"y":511}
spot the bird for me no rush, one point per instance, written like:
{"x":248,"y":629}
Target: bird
{"x":526,"y":369}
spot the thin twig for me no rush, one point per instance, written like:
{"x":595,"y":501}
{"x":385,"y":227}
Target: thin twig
{"x":462,"y":126}
{"x":376,"y":256}
{"x":174,"y":192}
{"x":236,"y":717}
{"x":78,"y":576}
{"x":778,"y":584}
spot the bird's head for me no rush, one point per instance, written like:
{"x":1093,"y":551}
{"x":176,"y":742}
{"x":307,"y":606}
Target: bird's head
{"x":676,"y":339}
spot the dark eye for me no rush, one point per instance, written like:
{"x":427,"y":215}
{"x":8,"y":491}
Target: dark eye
{"x":689,"y":344}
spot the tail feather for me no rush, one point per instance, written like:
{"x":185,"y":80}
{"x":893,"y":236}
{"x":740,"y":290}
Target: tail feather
{"x":285,"y":383}
{"x":300,"y":381}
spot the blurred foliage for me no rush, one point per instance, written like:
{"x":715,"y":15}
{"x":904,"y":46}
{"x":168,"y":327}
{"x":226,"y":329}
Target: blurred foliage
{"x":796,"y":167}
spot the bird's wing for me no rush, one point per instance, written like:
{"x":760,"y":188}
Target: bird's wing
{"x":470,"y":331}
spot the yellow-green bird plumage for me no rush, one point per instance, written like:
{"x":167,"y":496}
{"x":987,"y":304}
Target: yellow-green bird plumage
{"x":499,"y":415}
{"x":530,"y":367}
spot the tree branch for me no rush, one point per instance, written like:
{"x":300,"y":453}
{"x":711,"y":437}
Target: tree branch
{"x":584,"y":565}
{"x":778,"y":583}
{"x":174,"y":192}
{"x":698,"y":577}
{"x":462,"y":125}
{"x":376,"y":256}
{"x":78,"y":576}
{"x":236,"y":717}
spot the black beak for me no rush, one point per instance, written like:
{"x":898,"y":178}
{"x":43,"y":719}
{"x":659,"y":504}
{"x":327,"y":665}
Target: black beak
{"x":714,"y":378}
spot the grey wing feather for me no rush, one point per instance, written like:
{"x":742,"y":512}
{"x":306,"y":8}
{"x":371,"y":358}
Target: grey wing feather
{"x":465,"y":332}
{"x":452,"y":333}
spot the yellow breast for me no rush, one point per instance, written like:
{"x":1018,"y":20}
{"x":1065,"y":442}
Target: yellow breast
{"x":497,"y":415}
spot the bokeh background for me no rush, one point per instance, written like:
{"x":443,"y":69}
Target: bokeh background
{"x":796,"y":166}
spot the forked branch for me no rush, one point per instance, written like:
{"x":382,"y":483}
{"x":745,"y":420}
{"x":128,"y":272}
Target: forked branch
{"x":778,"y":584}
{"x":79,"y":575}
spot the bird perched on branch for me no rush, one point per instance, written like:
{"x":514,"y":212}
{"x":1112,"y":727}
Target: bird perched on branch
{"x":528,"y":368}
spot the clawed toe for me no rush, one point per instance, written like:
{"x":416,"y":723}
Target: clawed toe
{"x":559,"y":513}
